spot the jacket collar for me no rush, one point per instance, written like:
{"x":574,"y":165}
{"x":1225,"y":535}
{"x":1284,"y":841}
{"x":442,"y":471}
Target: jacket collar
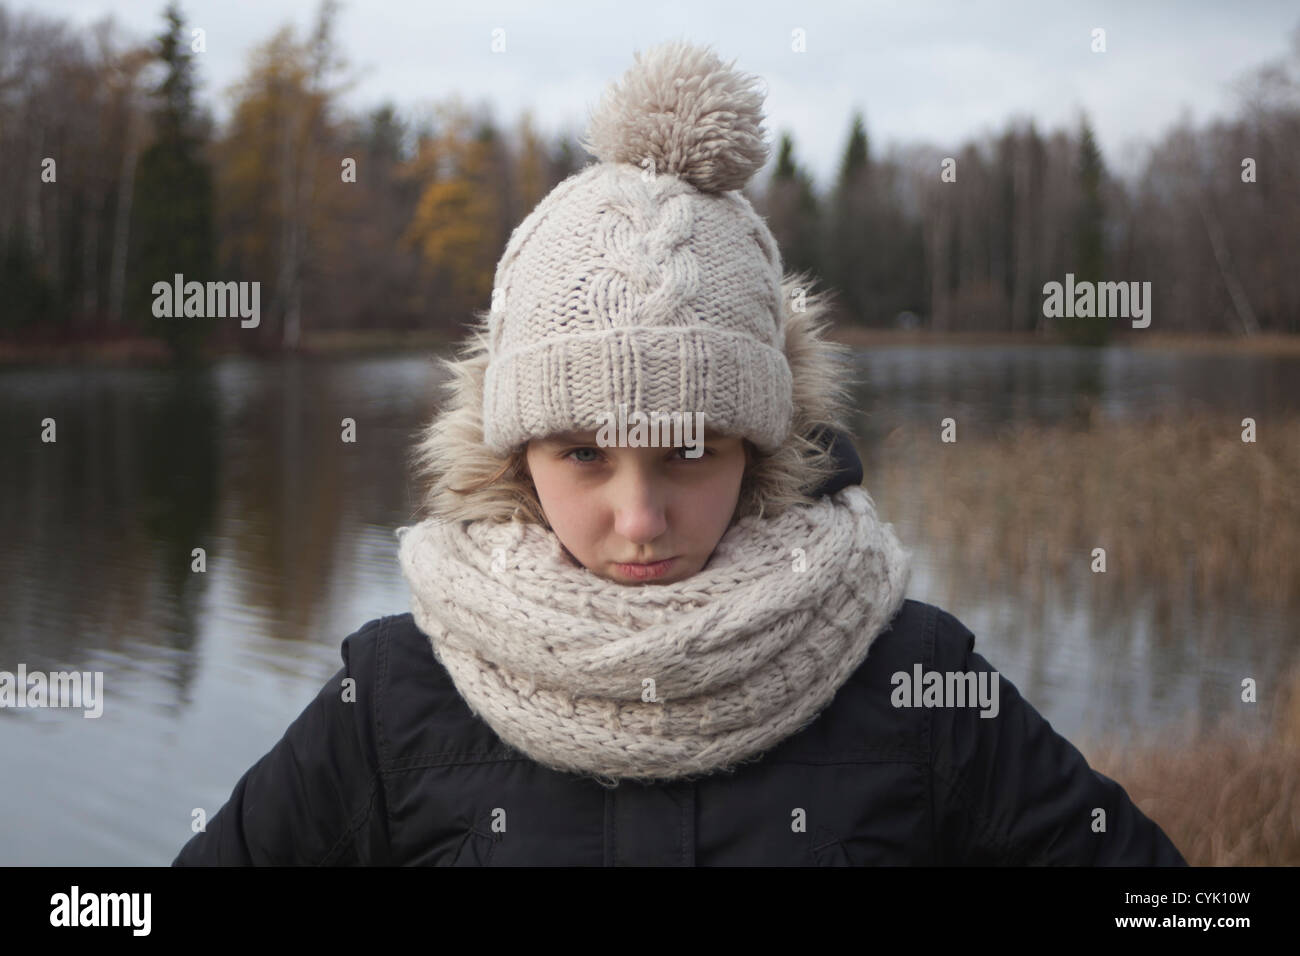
{"x":849,"y":465}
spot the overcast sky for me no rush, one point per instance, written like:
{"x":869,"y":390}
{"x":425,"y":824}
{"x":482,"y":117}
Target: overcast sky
{"x":937,"y":72}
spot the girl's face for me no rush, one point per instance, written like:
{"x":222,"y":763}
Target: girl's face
{"x":615,"y":506}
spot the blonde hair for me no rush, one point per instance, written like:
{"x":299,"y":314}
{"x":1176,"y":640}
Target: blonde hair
{"x":464,"y":481}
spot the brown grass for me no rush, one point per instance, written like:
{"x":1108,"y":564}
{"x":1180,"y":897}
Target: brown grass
{"x":1176,"y":503}
{"x":860,"y":337}
{"x":128,"y":350}
{"x":124,"y":351}
{"x":365,"y":340}
{"x":1196,"y":342}
{"x":1226,"y":799}
{"x":1263,"y":344}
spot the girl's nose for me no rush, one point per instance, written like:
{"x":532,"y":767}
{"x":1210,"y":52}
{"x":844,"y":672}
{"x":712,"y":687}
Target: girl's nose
{"x":639,"y":511}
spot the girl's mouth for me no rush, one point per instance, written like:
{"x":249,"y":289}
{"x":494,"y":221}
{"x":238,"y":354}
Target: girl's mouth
{"x":645,"y":572}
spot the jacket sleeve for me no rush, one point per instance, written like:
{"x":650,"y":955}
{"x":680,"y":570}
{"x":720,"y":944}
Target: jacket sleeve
{"x":1010,"y":790}
{"x":316,"y":798}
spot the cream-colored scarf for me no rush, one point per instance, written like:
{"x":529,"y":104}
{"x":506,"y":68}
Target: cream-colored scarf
{"x":656,"y":681}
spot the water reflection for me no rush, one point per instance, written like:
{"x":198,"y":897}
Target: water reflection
{"x":203,"y":671}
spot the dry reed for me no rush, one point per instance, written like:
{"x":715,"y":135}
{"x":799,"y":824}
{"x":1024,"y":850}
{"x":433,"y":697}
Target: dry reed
{"x":1178,"y":504}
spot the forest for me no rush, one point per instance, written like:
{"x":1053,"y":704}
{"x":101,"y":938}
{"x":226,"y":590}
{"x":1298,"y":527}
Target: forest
{"x":114,"y":177}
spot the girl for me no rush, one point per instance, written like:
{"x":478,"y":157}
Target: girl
{"x":625,"y":653}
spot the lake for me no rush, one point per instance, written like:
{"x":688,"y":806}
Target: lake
{"x":204,"y":671}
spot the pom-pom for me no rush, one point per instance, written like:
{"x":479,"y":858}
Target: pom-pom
{"x":680,"y":107}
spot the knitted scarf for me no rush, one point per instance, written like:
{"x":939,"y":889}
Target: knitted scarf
{"x":656,"y":682}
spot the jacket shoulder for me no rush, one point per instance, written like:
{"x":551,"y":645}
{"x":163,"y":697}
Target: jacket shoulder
{"x":420,"y":718}
{"x":919,"y":633}
{"x":859,"y":725}
{"x":861,"y":722}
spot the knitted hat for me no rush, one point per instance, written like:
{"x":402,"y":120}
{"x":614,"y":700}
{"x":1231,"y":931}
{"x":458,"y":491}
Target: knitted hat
{"x":647,"y":279}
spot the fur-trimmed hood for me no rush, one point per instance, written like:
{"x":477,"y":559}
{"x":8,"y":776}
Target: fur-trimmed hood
{"x":451,"y":454}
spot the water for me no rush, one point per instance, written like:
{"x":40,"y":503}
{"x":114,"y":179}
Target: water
{"x":203,"y":672}
{"x":1094,"y":666}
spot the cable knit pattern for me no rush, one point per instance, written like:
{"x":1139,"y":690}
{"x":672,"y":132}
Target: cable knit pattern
{"x":646,"y":279}
{"x":742,"y":654}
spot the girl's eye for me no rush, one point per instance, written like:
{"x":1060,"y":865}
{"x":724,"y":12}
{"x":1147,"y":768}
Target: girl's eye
{"x":681,"y":452}
{"x":699,"y":453}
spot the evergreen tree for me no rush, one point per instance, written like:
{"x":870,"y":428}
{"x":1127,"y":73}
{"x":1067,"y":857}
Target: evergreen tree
{"x":172,"y":219}
{"x":1089,"y":239}
{"x":849,"y":235}
{"x":793,"y":213}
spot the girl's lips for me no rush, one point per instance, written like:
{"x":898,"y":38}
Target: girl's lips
{"x":645,"y":572}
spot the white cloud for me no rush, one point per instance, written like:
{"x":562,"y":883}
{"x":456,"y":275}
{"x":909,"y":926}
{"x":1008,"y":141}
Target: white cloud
{"x":936,"y":73}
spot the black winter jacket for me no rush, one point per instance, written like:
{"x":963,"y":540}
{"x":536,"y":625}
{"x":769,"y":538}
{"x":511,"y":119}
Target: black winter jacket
{"x":406,"y":775}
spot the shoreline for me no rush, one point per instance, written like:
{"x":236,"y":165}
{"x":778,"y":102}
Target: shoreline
{"x":147,"y":351}
{"x":1197,"y":342}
